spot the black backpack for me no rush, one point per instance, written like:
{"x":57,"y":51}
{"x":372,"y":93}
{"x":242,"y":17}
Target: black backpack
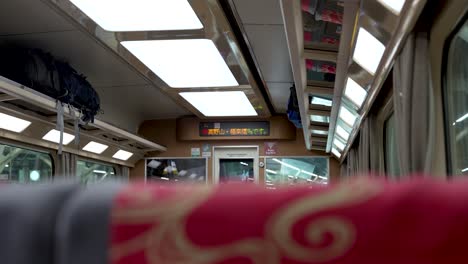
{"x":80,"y":93}
{"x":31,"y":68}
{"x":38,"y":70}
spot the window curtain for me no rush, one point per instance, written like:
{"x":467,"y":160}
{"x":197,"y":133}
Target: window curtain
{"x":352,"y":162}
{"x":126,"y":173}
{"x":374,"y":139}
{"x":123,"y":173}
{"x":363,"y":149}
{"x":344,"y":170}
{"x":66,"y":166}
{"x":413,"y":105}
{"x":367,"y":152}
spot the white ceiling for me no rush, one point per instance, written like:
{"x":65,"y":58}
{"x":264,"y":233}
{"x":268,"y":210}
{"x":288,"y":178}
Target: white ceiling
{"x":263,"y":24}
{"x":126,"y":97}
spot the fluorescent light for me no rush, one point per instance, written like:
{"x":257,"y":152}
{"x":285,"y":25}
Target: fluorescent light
{"x":342,"y":133}
{"x":184,"y":63}
{"x":465,"y":170}
{"x":34,"y":175}
{"x":368,"y":51}
{"x":95,"y":147}
{"x":321,"y":119}
{"x":393,"y":5}
{"x":291,"y":177}
{"x":313,"y":174}
{"x":54,"y":136}
{"x":462,"y":118}
{"x":286,"y":164}
{"x":348,"y":117}
{"x":336,"y":152}
{"x":319,"y":132}
{"x":140,"y":15}
{"x":12,"y":123}
{"x":321,"y":101}
{"x":122,"y":155}
{"x":164,"y":178}
{"x":340,"y":145}
{"x":244,"y":164}
{"x":271,"y":171}
{"x":270,"y":184}
{"x":233,"y":103}
{"x":355,"y":92}
{"x":100,"y":171}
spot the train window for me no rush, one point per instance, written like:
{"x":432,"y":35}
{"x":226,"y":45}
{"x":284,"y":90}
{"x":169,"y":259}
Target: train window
{"x":92,"y":172}
{"x":19,"y":165}
{"x":290,"y":171}
{"x":392,"y":166}
{"x":193,"y":170}
{"x":456,"y":101}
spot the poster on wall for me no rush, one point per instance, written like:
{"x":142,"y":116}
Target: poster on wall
{"x":271,"y":148}
{"x":192,"y":170}
{"x":206,"y":150}
{"x":195,"y":152}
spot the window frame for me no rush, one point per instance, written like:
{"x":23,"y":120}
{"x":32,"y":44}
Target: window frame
{"x":292,"y":157}
{"x":178,"y":158}
{"x":444,"y":93}
{"x":450,"y":15}
{"x":53,"y":156}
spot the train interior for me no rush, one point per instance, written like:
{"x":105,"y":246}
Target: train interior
{"x":271,"y":92}
{"x":264,"y":94}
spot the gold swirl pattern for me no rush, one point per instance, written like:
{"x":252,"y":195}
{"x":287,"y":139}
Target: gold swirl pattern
{"x":342,"y":231}
{"x":167,"y":241}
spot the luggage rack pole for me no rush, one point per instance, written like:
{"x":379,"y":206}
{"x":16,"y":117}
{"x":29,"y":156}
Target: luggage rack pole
{"x":292,"y":17}
{"x":24,"y":93}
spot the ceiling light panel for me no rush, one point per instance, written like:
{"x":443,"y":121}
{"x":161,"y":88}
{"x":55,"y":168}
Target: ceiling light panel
{"x":319,"y":132}
{"x":140,"y":15}
{"x":12,"y":123}
{"x":336,"y":153}
{"x":184,"y":63}
{"x":233,"y":103}
{"x":355,"y":92}
{"x":348,"y":117}
{"x":320,"y":119}
{"x":95,"y":147}
{"x":368,"y":52}
{"x":54,"y":136}
{"x":342,"y":133}
{"x":122,"y":155}
{"x":321,"y":101}
{"x":340,"y":145}
{"x":393,"y":5}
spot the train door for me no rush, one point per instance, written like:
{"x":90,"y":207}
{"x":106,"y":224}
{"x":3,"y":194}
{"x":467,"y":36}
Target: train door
{"x":235,"y":164}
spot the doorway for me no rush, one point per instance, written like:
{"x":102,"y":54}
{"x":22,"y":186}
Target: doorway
{"x":235,"y":164}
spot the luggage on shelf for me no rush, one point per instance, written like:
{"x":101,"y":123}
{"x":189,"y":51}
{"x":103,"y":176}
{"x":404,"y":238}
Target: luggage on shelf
{"x":80,"y":93}
{"x":41,"y":72}
{"x":293,"y":108}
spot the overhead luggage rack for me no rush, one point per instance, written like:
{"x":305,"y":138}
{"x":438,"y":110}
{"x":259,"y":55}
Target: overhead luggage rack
{"x":18,"y":99}
{"x":332,"y":39}
{"x":317,"y":33}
